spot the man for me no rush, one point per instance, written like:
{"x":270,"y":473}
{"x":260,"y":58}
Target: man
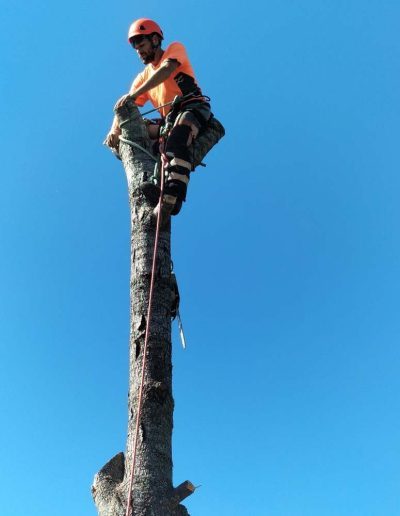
{"x":168,"y":74}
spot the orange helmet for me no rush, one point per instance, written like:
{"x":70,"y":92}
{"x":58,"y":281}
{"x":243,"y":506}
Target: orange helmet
{"x":144,"y":26}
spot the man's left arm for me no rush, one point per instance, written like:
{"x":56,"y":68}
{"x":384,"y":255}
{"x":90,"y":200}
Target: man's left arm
{"x":161,"y":75}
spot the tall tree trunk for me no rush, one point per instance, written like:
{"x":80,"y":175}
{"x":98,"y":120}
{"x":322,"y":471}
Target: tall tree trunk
{"x":153,"y":493}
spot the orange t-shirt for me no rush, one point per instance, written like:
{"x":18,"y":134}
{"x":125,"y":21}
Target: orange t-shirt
{"x":180,"y":82}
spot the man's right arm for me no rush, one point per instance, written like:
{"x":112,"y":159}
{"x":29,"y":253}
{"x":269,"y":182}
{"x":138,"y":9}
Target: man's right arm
{"x":138,"y":89}
{"x":112,"y":138}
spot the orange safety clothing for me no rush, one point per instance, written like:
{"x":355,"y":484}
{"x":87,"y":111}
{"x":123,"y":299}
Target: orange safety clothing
{"x":181,"y":82}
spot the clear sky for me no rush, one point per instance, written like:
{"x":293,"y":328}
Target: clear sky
{"x":287,"y":254}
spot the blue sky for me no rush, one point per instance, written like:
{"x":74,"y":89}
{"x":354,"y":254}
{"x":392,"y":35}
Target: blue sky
{"x":287,"y":254}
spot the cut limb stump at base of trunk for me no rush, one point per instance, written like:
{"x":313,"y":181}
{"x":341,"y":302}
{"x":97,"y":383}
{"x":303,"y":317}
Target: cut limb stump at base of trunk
{"x":152,"y":492}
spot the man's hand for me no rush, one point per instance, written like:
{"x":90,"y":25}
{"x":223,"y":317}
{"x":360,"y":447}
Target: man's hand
{"x":112,"y":138}
{"x":124,"y":99}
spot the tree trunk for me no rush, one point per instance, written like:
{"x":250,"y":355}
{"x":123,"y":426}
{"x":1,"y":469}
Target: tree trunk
{"x":153,"y":493}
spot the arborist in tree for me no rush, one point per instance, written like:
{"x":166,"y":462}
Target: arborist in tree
{"x":168,"y":74}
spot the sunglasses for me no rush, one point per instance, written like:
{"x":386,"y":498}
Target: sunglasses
{"x":136,"y":40}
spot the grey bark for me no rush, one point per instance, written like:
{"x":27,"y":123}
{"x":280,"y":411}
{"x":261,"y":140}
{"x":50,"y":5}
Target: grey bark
{"x":153,"y":493}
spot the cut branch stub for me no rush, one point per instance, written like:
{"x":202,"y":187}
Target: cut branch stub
{"x":183,"y":491}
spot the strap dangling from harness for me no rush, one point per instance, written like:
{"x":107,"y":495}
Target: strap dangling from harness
{"x":175,"y":303}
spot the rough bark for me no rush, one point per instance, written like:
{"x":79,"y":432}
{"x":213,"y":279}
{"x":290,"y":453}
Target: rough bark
{"x":153,"y":493}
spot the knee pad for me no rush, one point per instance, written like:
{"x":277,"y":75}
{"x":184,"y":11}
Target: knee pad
{"x":177,"y":189}
{"x":176,"y":183}
{"x":177,"y":143}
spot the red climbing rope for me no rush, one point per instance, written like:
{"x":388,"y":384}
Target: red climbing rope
{"x":129,"y":507}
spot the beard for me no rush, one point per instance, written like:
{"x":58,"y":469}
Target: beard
{"x":149,"y":58}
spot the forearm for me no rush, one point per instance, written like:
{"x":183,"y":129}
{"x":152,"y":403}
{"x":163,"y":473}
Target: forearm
{"x":159,"y":77}
{"x":115,"y":125}
{"x":112,"y":138}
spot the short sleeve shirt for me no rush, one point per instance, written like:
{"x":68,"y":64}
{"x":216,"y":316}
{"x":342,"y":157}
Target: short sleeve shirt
{"x":180,"y":82}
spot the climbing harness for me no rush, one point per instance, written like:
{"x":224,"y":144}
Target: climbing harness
{"x":177,"y":100}
{"x":209,"y":135}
